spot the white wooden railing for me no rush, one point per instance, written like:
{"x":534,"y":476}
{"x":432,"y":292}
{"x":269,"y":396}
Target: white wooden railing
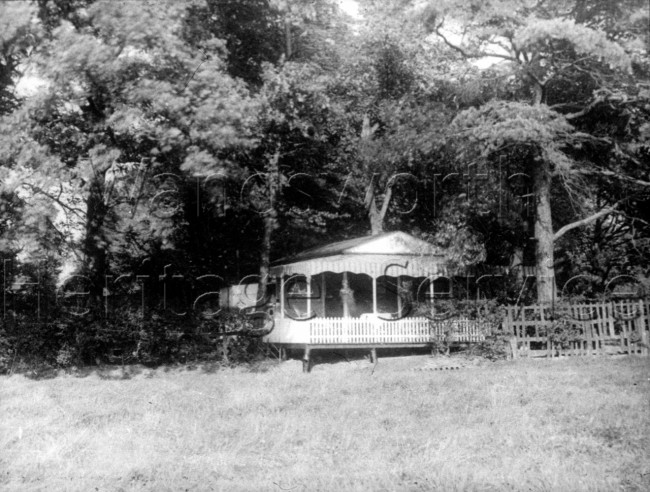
{"x":407,"y":330}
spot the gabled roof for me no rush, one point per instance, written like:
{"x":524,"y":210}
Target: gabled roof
{"x":389,"y":243}
{"x":370,"y":255}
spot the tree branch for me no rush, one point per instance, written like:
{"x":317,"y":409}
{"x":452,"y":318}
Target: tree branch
{"x":584,"y":111}
{"x":370,"y":193}
{"x":387,"y":198}
{"x":574,"y":225}
{"x":598,"y":100}
{"x":78,"y":212}
{"x":612,"y":174}
{"x":65,"y":239}
{"x":480,"y":54}
{"x":453,"y":46}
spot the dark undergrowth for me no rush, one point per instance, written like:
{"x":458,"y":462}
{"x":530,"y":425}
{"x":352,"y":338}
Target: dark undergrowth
{"x":44,"y":347}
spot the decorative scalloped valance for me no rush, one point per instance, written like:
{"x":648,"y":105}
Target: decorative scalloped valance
{"x":373,"y":265}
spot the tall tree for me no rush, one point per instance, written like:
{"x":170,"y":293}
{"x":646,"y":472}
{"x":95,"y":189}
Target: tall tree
{"x":280,"y":175}
{"x":385,"y":92}
{"x":127,"y":103}
{"x":547,"y":46}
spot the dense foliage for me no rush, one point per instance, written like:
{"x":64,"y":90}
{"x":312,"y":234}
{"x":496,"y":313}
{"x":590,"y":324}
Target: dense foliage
{"x":161,"y":150}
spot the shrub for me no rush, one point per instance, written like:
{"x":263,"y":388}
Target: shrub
{"x":560,"y":328}
{"x":66,"y":357}
{"x":7,"y":353}
{"x":128,"y":336}
{"x":239,"y":349}
{"x":495,"y":347}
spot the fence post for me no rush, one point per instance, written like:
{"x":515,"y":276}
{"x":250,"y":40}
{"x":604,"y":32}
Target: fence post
{"x":514,"y":354}
{"x":589,"y":339}
{"x":510,"y":329}
{"x":542,"y":324}
{"x":642,"y":330}
{"x":628,"y":327}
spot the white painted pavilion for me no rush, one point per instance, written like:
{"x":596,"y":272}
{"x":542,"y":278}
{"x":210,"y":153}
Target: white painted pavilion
{"x":362,"y":293}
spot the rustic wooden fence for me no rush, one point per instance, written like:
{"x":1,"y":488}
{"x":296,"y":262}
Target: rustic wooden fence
{"x":598,"y":328}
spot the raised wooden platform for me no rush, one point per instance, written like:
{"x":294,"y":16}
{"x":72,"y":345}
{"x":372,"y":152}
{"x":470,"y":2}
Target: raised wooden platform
{"x":371,"y":332}
{"x":375,"y":330}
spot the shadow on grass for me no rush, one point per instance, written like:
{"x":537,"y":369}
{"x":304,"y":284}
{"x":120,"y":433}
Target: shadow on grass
{"x":350,"y":356}
{"x":260,"y":364}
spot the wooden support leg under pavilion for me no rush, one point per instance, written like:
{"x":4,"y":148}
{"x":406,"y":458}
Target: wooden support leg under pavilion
{"x":306,"y":361}
{"x":373,"y":356}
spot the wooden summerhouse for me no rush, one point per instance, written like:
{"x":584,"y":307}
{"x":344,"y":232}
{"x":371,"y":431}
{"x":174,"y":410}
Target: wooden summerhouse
{"x":361,"y":293}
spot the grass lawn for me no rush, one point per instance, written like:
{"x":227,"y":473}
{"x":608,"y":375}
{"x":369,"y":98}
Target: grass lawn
{"x":533,"y":425}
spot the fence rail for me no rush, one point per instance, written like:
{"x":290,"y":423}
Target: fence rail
{"x":616,"y":327}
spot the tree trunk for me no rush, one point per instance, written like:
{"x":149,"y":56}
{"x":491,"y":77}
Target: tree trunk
{"x":376,"y":222}
{"x":374,"y":214}
{"x":270,"y":224}
{"x":544,"y":257}
{"x":545,"y":241}
{"x":94,"y":245}
{"x":265,"y":258}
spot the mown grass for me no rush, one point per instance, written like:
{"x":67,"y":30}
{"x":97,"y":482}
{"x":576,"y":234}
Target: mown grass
{"x":567,"y":425}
